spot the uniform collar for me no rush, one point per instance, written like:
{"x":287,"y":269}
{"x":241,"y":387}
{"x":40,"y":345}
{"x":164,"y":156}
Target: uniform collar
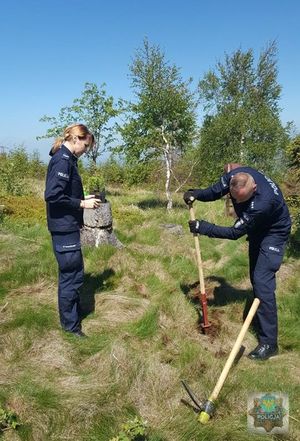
{"x":67,"y":152}
{"x":64,"y":151}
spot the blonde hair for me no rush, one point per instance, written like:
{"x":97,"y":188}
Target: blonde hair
{"x":79,"y":130}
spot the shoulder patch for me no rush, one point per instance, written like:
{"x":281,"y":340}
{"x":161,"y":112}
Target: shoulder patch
{"x":65,"y":156}
{"x":244,"y":219}
{"x":239,"y":223}
{"x":63,"y":175}
{"x":223,"y":182}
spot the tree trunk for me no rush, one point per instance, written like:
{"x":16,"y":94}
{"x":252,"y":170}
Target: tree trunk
{"x":242,"y":153}
{"x":168,"y":161}
{"x":168,"y":180}
{"x":98,"y":229}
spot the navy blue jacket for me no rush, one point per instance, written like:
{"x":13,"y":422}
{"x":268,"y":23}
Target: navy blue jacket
{"x":264,"y":216}
{"x":63,"y":192}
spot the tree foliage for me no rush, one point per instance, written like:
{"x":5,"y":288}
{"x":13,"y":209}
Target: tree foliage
{"x":16,"y":168}
{"x":95,"y":109}
{"x":293,"y":198}
{"x":161,"y":122}
{"x":241,"y":112}
{"x":293,"y":151}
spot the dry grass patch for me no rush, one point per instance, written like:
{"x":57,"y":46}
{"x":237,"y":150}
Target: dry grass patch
{"x":115,"y":308}
{"x":153,"y":267}
{"x":172,"y":245}
{"x":123,"y":261}
{"x":41,"y":292}
{"x":150,"y":250}
{"x":152,"y":391}
{"x":51,"y":353}
{"x":6,"y":263}
{"x":286,"y":271}
{"x":14,"y":345}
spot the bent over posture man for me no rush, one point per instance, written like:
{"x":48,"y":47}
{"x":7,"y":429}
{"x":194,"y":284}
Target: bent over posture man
{"x":262,"y":215}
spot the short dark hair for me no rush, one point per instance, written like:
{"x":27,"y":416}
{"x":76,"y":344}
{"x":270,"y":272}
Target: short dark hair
{"x":241,"y":180}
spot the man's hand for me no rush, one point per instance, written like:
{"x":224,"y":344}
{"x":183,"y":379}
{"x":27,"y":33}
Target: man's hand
{"x":195,"y":226}
{"x":189,"y":196}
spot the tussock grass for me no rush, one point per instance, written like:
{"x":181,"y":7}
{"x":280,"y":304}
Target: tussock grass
{"x":142,"y":319}
{"x":40,"y":318}
{"x":147,"y":325}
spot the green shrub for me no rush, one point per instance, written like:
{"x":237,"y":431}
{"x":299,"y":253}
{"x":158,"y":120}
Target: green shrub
{"x":132,"y":430}
{"x":93,"y":183}
{"x":25,"y":209}
{"x":11,"y":179}
{"x":293,"y":202}
{"x":8,"y":419}
{"x":113,"y":171}
{"x":15,"y":168}
{"x":137,"y":173}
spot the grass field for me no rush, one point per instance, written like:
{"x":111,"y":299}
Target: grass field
{"x":143,"y":327}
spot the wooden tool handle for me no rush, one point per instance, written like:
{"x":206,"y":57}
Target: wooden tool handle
{"x":234,"y":350}
{"x":198,"y":253}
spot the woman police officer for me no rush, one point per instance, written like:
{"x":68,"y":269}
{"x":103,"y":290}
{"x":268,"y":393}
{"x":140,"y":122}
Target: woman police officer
{"x":65,"y":202}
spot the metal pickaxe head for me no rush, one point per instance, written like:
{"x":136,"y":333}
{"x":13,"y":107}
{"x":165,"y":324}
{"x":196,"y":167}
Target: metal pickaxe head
{"x":199,"y":404}
{"x":207,"y":412}
{"x":206,"y":408}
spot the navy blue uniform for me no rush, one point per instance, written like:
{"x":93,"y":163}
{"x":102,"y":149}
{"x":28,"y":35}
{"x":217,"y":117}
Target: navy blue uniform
{"x":63,"y":194}
{"x":265,"y":219}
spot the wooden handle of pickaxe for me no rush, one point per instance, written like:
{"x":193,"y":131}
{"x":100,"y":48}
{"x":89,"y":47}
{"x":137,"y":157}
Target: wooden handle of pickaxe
{"x":203,"y":299}
{"x":234,"y":350}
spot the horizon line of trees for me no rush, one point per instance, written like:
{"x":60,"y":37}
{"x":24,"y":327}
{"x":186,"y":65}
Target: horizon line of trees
{"x":159,"y":130}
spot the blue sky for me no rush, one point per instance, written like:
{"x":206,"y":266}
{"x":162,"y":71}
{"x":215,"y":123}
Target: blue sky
{"x":50,"y":48}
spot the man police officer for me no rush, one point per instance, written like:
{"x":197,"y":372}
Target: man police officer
{"x":262,"y":215}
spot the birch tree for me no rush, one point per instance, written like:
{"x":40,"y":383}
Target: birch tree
{"x":241,"y":112}
{"x":161,"y":122}
{"x":95,"y":109}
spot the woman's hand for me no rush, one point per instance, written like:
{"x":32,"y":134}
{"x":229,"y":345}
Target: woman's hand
{"x":90,"y":202}
{"x":89,"y":196}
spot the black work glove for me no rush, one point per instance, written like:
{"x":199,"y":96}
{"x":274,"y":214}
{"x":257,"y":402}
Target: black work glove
{"x":190,"y":195}
{"x":198,"y":226}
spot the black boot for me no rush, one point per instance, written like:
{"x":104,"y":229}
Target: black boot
{"x":76,"y":333}
{"x":79,"y":333}
{"x":263,"y":352}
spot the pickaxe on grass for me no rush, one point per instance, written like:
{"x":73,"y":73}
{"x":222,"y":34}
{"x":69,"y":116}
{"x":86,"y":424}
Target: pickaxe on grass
{"x":203,"y":300}
{"x":207,"y":408}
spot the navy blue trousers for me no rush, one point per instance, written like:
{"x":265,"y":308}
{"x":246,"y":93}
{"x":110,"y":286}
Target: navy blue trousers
{"x":67,"y":250}
{"x":265,"y":259}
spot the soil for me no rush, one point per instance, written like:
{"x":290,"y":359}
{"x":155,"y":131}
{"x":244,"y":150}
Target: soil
{"x":214,"y":316}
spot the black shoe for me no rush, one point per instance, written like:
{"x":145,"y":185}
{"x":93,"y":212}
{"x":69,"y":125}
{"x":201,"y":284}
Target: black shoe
{"x":78,"y":333}
{"x":263,"y":352}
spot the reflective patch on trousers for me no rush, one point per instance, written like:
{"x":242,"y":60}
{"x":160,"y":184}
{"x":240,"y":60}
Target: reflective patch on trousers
{"x":69,"y":257}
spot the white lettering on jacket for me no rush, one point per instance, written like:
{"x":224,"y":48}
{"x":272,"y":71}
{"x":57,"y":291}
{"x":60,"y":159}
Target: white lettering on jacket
{"x":63,"y":175}
{"x":273,"y":185}
{"x":274,"y":249}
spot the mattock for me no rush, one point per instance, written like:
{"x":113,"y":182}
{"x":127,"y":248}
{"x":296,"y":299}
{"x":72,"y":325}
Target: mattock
{"x":206,"y":408}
